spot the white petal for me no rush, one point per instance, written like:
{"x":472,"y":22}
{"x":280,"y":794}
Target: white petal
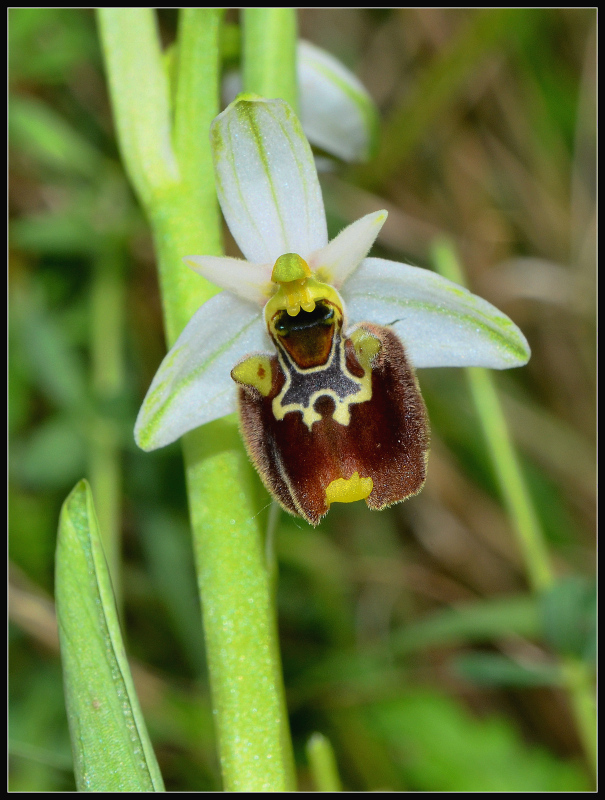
{"x":440,"y":323}
{"x":336,"y":110}
{"x":251,"y":282}
{"x":335,"y":262}
{"x":193,"y":384}
{"x":266,"y":180}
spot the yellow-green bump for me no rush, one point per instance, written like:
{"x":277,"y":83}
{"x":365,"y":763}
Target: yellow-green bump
{"x":348,"y":490}
{"x":290,"y":267}
{"x":292,"y":273}
{"x":254,"y":371}
{"x":366,"y":347}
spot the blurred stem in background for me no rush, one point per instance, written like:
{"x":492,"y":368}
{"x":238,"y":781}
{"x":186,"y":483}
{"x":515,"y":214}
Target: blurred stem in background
{"x":107,"y":367}
{"x":521,"y":511}
{"x":476,"y":39}
{"x":174,"y":179}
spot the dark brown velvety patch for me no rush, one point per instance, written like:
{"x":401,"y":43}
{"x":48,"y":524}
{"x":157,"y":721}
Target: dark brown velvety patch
{"x":387,"y":438}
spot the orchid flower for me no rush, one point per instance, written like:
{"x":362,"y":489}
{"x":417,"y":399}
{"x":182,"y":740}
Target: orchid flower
{"x":314,"y":342}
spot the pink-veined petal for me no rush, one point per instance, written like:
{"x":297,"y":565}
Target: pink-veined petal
{"x":339,"y":259}
{"x":251,"y":282}
{"x":266,"y":180}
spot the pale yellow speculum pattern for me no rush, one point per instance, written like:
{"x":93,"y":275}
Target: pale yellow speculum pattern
{"x":254,"y":371}
{"x":298,"y":288}
{"x":348,"y":490}
{"x":342,"y":410}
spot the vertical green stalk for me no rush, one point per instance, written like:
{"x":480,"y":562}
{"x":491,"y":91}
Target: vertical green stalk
{"x":510,"y":478}
{"x":269,"y":53}
{"x":521,"y":511}
{"x":107,"y":323}
{"x":170,"y":165}
{"x":322,"y":763}
{"x":502,"y":452}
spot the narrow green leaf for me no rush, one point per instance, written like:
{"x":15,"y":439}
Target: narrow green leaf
{"x":439,"y":746}
{"x":47,"y":137}
{"x":48,"y":357}
{"x":493,"y":669}
{"x":323,"y":764}
{"x":569,"y":613}
{"x":473,"y":622}
{"x":111,"y":747}
{"x":487,"y":31}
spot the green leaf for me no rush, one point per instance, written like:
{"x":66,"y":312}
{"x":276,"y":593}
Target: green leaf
{"x":50,"y":140}
{"x":472,"y":622}
{"x":439,"y":746}
{"x":111,"y":747}
{"x":52,"y":456}
{"x":493,"y":669}
{"x":48,"y":357}
{"x":46,"y":45}
{"x":323,"y":764}
{"x":569,"y":617}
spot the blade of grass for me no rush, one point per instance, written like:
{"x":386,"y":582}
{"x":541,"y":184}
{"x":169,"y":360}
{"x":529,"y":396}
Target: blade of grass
{"x":107,"y":308}
{"x":520,"y":507}
{"x":111,"y":747}
{"x":482,"y":33}
{"x":323,"y":764}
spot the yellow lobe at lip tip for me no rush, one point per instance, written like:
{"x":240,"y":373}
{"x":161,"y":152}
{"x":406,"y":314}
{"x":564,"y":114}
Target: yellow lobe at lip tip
{"x":348,"y":490}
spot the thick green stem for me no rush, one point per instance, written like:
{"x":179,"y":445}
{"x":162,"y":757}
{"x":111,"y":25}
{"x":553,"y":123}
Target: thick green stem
{"x":239,"y":619}
{"x":269,"y":53}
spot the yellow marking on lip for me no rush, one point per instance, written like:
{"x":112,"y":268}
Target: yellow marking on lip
{"x":348,"y":490}
{"x":366,"y":345}
{"x":254,"y":371}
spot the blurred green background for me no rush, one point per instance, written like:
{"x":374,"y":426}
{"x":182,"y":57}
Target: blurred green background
{"x":409,"y":637}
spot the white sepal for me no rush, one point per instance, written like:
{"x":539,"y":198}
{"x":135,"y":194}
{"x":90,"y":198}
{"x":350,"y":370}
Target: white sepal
{"x":266,"y":180}
{"x":440,"y":323}
{"x":193,"y":384}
